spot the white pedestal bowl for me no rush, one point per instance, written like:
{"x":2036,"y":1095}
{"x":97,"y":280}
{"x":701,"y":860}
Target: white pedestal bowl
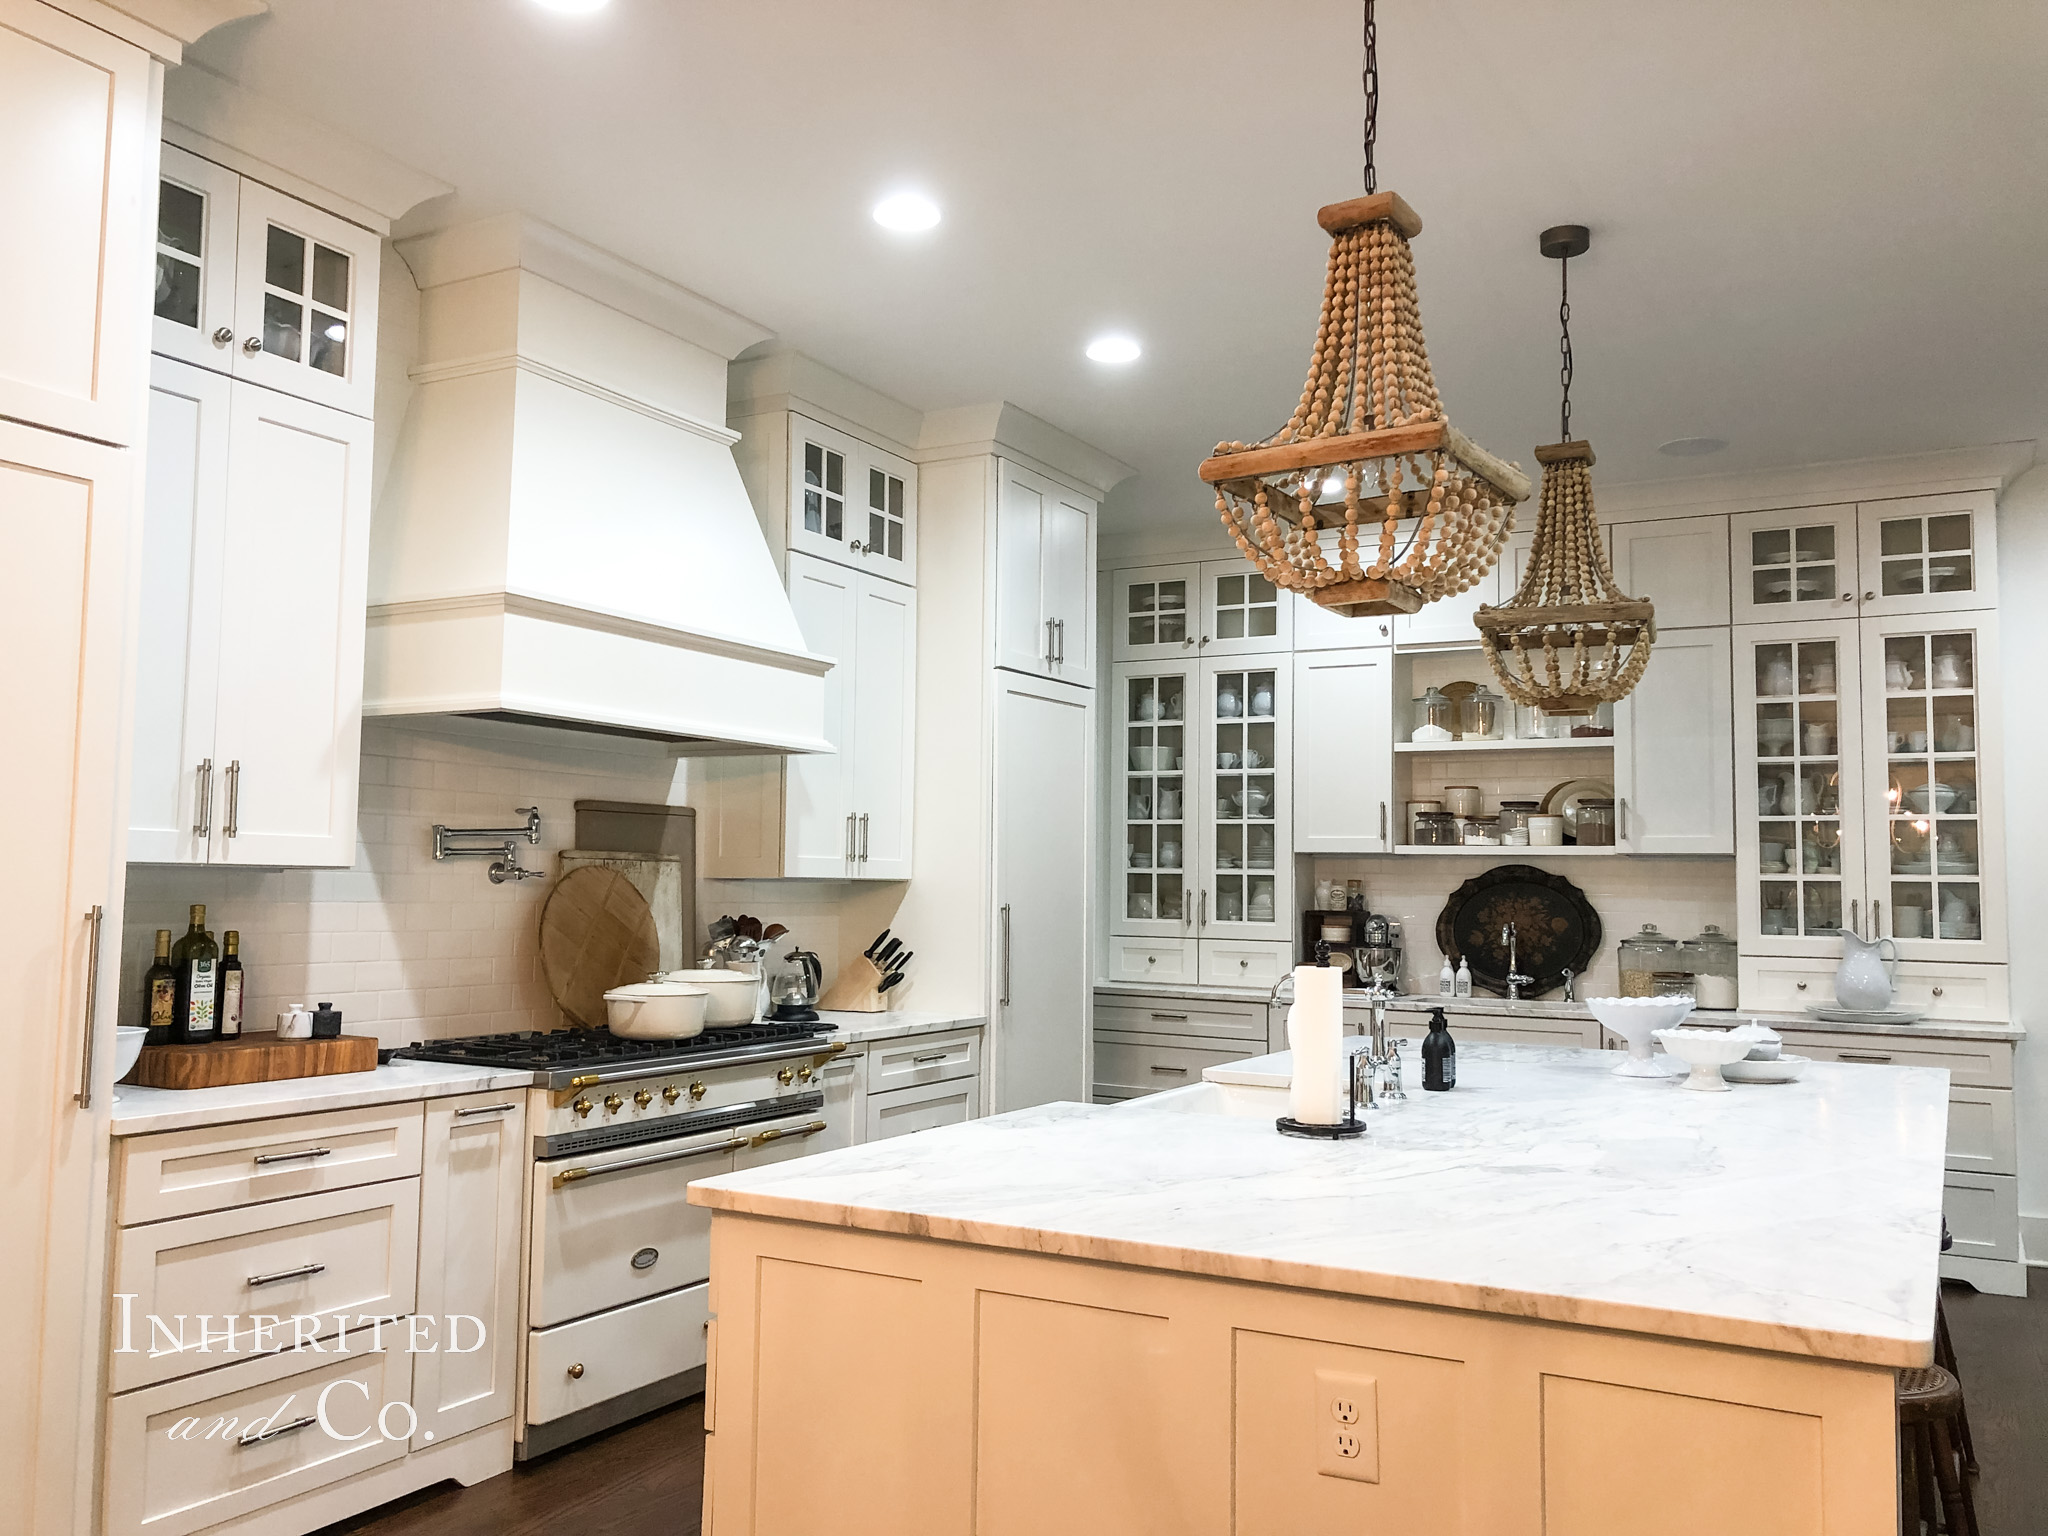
{"x":1706,"y":1051}
{"x":1635,"y":1019}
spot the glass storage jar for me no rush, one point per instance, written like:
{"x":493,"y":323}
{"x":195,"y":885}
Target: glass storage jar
{"x":1672,"y":984}
{"x":1482,"y":830}
{"x":1514,"y":818}
{"x":1436,"y":717}
{"x":1436,"y":829}
{"x":1712,"y":957}
{"x":1483,"y":715}
{"x":1596,"y":824}
{"x":1641,"y":956}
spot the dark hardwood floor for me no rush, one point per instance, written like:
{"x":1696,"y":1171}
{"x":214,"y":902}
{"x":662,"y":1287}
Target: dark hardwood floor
{"x":645,"y":1478}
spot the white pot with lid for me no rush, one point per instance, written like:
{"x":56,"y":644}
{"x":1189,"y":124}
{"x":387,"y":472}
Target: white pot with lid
{"x":735,"y":995}
{"x":657,"y":1010}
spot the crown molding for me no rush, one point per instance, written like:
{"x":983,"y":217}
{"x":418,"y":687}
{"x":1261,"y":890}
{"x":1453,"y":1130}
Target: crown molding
{"x":1010,"y":431}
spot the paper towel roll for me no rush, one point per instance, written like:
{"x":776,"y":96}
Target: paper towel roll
{"x":1315,"y":1033}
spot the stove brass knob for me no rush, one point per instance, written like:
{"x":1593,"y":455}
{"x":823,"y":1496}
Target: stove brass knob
{"x":696,"y":1092}
{"x":803,"y":1073}
{"x":785,"y":1077}
{"x":582,"y":1108}
{"x":613,"y":1103}
{"x":670,"y":1094}
{"x":643,"y":1098}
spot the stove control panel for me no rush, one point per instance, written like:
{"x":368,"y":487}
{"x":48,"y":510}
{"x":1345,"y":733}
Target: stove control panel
{"x":655,"y":1098}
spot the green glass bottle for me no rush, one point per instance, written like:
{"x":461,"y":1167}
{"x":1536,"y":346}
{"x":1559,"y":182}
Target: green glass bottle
{"x":197,"y":962}
{"x":228,"y":1016}
{"x":160,"y":993}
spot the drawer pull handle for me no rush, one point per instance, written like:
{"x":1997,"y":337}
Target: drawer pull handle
{"x":929,"y":1057}
{"x":1175,"y":1071}
{"x":301,"y":1273}
{"x":1852,"y":1056}
{"x":264,"y":1159}
{"x":484,"y":1109}
{"x":576,"y":1371}
{"x":282,"y":1429}
{"x":1799,"y":986}
{"x":778,"y":1134}
{"x":575,"y":1175}
{"x":1937,"y":991}
{"x":1177,"y":1018}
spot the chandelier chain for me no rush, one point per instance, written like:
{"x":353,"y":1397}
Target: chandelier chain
{"x":1371,"y":80}
{"x":1564,"y":347}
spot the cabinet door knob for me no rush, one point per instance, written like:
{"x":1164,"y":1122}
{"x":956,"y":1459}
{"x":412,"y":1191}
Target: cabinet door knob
{"x":1801,"y":986}
{"x":1937,"y":991}
{"x":223,"y":336}
{"x":1869,"y":597}
{"x":576,"y":1371}
{"x":251,"y":345}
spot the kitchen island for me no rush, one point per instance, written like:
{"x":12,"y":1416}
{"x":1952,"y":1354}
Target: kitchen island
{"x":1552,"y":1301}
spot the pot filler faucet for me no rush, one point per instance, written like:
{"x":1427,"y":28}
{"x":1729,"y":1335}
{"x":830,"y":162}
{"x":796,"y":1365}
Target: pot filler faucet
{"x":1516,"y":980}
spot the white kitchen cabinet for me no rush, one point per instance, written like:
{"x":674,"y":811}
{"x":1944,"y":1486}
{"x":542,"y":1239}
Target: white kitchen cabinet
{"x":78,"y":118}
{"x":1793,"y":566}
{"x":1243,"y":613}
{"x":1447,"y":622}
{"x":851,"y":502}
{"x":919,"y":1109}
{"x":1343,"y":766}
{"x":1156,"y":786}
{"x":1316,"y":628}
{"x":843,"y":815}
{"x":264,"y":287}
{"x":249,"y":700}
{"x":472,"y":1177}
{"x":1674,"y":770}
{"x":1927,"y":554}
{"x":1680,"y":564}
{"x":1042,"y":803}
{"x":1045,"y":577}
{"x":1155,"y":612}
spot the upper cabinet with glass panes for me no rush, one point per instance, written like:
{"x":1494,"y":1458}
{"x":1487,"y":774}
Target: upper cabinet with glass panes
{"x":1920,"y":554}
{"x":259,"y":285}
{"x":851,"y":502}
{"x":1216,"y":608}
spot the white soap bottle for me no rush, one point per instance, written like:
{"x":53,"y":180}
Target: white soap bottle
{"x":1445,"y":982}
{"x":1464,"y":980}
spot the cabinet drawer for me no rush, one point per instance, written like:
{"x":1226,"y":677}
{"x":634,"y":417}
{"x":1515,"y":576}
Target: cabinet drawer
{"x":1243,"y":962}
{"x":1983,"y":1212}
{"x":1976,"y":994}
{"x":923,"y":1059}
{"x":1975,"y":1063}
{"x":1128,"y":1065}
{"x":921,"y":1108}
{"x":169,"y":1487}
{"x":181,"y":1173}
{"x":351,"y":1251}
{"x":1153,"y":960}
{"x":1980,"y":1131}
{"x":592,"y":1359}
{"x":1171,"y":1016}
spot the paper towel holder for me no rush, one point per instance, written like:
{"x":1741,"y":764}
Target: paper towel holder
{"x":1350,"y":1125}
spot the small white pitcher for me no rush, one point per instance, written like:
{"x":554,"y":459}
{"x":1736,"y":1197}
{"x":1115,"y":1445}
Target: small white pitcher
{"x":1864,"y":979}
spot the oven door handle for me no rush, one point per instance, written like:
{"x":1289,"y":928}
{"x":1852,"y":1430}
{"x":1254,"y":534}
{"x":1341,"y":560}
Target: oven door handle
{"x":574,"y":1175}
{"x":792,"y":1134}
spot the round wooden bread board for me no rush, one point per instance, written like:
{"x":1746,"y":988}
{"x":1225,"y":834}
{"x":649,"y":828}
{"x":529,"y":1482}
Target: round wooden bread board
{"x":596,"y":932}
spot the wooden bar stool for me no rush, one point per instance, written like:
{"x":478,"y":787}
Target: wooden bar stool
{"x":1945,"y":1357}
{"x":1932,"y":1484}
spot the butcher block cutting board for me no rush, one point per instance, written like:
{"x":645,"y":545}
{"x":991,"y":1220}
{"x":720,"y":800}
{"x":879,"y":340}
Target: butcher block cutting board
{"x":252,"y":1059}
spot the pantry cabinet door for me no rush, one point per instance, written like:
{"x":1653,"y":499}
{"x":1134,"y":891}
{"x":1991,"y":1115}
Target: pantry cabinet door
{"x":1792,"y":566}
{"x":288,"y":733}
{"x":1343,"y":751}
{"x":77,"y":192}
{"x":1680,"y":564}
{"x":1244,"y":740}
{"x":1155,"y":787}
{"x":824,"y":471}
{"x":819,"y":830}
{"x":175,"y":788}
{"x":1928,"y":554}
{"x":305,"y":301}
{"x":1935,"y":801}
{"x":883,"y":729}
{"x":886,"y":538}
{"x":1067,"y":584}
{"x":194,"y":296}
{"x":1674,"y":771}
{"x":1024,"y":640}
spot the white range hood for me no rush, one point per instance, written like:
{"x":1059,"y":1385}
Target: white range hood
{"x":563,"y":536}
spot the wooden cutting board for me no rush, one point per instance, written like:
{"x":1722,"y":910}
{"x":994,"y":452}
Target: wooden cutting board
{"x":252,"y":1059}
{"x":596,"y":932}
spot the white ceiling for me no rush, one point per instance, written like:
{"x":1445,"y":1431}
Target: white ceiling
{"x":1819,"y":228}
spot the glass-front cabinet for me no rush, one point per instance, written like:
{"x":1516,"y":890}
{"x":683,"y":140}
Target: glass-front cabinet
{"x":1215,"y":608}
{"x":851,"y":502}
{"x":1866,"y":792}
{"x":1872,"y":559}
{"x":1202,"y":800}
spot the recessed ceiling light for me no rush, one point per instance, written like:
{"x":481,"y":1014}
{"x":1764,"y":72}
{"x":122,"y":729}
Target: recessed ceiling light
{"x":1692,"y":447}
{"x":573,"y":7}
{"x":1114,"y":349}
{"x":907,"y":211}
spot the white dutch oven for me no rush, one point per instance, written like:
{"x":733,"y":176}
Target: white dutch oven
{"x":734,"y":994}
{"x":657,"y":1010}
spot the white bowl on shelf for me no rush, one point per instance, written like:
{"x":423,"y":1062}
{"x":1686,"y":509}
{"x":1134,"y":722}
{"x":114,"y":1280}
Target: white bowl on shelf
{"x":1706,"y":1051}
{"x":128,"y":1040}
{"x":1635,"y":1019}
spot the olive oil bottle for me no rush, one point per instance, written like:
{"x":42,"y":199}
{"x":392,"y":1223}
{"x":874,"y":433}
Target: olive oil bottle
{"x":197,"y":961}
{"x":160,"y":993}
{"x":228,"y":1015}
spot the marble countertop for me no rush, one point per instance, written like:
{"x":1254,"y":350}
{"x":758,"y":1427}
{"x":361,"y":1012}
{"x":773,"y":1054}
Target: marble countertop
{"x":853,"y":1028}
{"x":1500,"y":1007}
{"x":137,"y":1111}
{"x":1803,"y":1219}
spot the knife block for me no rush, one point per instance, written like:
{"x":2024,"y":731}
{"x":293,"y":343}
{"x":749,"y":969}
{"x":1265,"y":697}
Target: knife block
{"x":854,"y":989}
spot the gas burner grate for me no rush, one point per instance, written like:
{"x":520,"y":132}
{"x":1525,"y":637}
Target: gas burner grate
{"x":552,"y":1050}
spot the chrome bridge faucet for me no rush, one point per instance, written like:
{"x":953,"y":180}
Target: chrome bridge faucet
{"x":1516,"y":980}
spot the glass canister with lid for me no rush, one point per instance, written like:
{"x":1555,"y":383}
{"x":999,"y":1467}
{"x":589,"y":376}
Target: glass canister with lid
{"x":1437,"y":829}
{"x":1641,"y":956}
{"x":1595,"y":828}
{"x":1514,"y":820}
{"x":1711,"y":958}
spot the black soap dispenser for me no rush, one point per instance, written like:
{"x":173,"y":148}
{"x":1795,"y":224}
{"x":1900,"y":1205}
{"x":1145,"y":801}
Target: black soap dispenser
{"x":1439,"y":1055}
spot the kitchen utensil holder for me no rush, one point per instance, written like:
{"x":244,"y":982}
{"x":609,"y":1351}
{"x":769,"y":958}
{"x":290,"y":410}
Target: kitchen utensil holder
{"x":856,"y":990}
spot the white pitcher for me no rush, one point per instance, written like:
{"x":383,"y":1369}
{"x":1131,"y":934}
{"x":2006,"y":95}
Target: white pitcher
{"x":1863,"y":980}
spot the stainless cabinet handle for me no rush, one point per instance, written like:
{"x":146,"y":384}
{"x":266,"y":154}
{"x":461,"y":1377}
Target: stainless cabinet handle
{"x":1876,"y":918}
{"x":1855,"y":919}
{"x":483,"y":1109}
{"x":223,"y":336}
{"x":1003,"y":920}
{"x":289,"y":1274}
{"x":1171,"y":1018}
{"x":863,"y":837}
{"x":573,"y":1175}
{"x":778,"y":1134}
{"x":929,"y":1057}
{"x":252,"y":345}
{"x":1059,"y":629}
{"x":849,"y":837}
{"x":1876,"y":1061}
{"x":1622,"y":831}
{"x":1048,"y":642}
{"x":202,"y":799}
{"x":95,"y":923}
{"x":1383,"y":823}
{"x":1203,"y":920}
{"x":234,"y":798}
{"x":262,"y":1158}
{"x":283,"y":1429}
{"x":1173,"y":1071}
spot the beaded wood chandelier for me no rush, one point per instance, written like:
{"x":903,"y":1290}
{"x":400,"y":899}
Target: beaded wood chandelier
{"x":1369,"y":452}
{"x":1569,"y":639}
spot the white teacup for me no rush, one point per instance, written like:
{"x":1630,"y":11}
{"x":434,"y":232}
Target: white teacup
{"x":1226,"y":759}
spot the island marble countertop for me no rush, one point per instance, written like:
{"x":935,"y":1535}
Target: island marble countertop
{"x":1803,"y":1219}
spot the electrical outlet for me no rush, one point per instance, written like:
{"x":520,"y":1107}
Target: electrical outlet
{"x":1347,"y":1426}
